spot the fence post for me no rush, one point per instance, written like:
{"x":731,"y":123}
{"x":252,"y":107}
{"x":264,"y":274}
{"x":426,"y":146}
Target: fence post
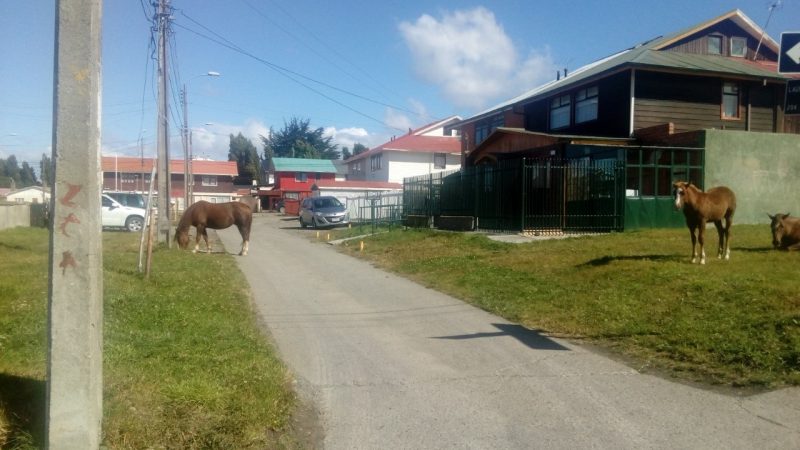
{"x":524,"y":194}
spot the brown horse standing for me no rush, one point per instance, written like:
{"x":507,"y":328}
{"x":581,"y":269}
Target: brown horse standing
{"x":216,"y":216}
{"x":700,"y":207}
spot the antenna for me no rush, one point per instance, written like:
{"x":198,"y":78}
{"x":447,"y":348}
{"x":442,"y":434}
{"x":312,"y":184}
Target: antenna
{"x":772,"y":8}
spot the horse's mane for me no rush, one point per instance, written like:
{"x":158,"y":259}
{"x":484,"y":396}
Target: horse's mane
{"x":186,"y":218}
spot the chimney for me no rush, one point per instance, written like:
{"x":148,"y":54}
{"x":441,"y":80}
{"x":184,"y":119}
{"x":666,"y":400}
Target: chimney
{"x":565,"y":72}
{"x":558,"y":75}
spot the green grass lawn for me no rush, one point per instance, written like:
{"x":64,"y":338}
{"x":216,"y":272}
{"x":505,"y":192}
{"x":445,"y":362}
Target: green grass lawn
{"x":185,"y":365}
{"x":734,"y":322}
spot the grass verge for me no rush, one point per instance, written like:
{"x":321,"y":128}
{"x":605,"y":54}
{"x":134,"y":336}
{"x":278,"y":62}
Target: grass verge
{"x":185,"y":365}
{"x":734,"y":323}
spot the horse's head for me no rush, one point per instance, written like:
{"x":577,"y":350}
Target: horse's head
{"x":778,"y":228}
{"x":182,"y":238}
{"x":679,"y":190}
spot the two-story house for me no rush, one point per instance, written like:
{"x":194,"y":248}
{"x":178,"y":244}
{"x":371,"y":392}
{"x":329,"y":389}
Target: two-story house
{"x":710,"y":97}
{"x":428,"y":149}
{"x":211,"y":180}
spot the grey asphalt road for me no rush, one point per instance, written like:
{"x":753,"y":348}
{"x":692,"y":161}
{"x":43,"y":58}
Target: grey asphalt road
{"x":391,"y":364}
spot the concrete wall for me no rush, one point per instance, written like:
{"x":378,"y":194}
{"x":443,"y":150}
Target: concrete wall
{"x":763,"y":169}
{"x":18,"y":215}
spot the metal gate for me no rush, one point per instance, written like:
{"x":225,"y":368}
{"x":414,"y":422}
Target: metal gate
{"x":526,"y":195}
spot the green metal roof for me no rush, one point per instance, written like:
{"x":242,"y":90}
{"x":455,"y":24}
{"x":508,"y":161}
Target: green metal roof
{"x":303,"y":165}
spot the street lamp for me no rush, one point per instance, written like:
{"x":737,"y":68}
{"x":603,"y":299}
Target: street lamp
{"x":188,"y":176}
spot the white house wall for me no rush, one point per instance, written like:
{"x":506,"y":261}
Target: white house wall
{"x":409,"y":164}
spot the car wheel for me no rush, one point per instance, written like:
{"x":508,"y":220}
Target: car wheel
{"x":134,"y":223}
{"x":282,"y":210}
{"x":314,"y":222}
{"x":302,"y":224}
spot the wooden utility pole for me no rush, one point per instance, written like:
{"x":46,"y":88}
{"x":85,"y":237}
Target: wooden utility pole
{"x":75,"y":294}
{"x":162,"y":18}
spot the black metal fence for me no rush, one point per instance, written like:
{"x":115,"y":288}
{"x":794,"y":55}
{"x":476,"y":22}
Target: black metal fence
{"x":525,"y":195}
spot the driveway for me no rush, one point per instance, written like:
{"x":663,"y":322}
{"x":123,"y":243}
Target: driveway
{"x":390,"y":364}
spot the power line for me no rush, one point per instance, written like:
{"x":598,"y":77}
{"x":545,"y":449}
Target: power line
{"x":220,"y":40}
{"x":311,"y":33}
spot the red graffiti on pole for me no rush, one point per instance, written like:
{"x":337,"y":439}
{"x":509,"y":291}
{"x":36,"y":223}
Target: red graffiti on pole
{"x":71,"y":218}
{"x":67,"y":260}
{"x":72,"y":191}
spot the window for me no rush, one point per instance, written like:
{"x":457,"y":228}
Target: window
{"x":559,"y":112}
{"x":485,"y":127}
{"x":586,"y":104}
{"x":209,"y":180}
{"x":739,"y":47}
{"x":439,"y":160}
{"x":730,"y":101}
{"x":375,"y":162}
{"x":301,"y":177}
{"x":715,"y":45}
{"x":128,"y":178}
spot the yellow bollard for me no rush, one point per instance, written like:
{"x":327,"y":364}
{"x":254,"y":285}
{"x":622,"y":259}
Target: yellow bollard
{"x":361,"y":247}
{"x":317,"y":234}
{"x":328,"y":237}
{"x":349,"y":226}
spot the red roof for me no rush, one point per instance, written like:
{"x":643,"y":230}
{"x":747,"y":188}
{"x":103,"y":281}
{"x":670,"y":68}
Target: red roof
{"x":416,"y":144}
{"x":127,"y":164}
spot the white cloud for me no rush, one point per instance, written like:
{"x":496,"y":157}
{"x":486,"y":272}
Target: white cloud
{"x":347,"y":137}
{"x":470,"y":57}
{"x":213,"y":141}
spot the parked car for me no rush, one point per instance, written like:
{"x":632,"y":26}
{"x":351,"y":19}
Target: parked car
{"x":129,"y":199}
{"x":323,"y":212}
{"x":117,"y":215}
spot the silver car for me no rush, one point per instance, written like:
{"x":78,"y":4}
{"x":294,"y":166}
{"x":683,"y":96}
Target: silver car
{"x":323,"y":211}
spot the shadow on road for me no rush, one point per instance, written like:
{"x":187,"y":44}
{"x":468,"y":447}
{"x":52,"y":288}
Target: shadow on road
{"x":528,"y":337}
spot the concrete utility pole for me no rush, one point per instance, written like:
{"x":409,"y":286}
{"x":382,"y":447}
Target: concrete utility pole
{"x":162,"y":16}
{"x":75,"y":295}
{"x":187,"y":199}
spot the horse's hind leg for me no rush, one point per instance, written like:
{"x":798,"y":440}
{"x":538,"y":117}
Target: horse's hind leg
{"x":721,"y":233}
{"x":694,"y":244}
{"x":205,"y":238}
{"x":728,"y":226}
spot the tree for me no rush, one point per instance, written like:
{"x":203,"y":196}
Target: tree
{"x":346,"y":153}
{"x":27,"y":177}
{"x":298,"y":140}
{"x":245,"y":154}
{"x":359,"y":148}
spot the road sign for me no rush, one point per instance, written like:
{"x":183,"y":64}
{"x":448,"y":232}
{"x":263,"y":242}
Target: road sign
{"x":792,"y":105}
{"x":789,"y":58}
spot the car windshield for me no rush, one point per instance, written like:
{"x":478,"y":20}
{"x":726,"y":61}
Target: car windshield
{"x":326,"y":203}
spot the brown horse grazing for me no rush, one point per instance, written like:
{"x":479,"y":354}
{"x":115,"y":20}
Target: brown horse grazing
{"x":785,"y":232}
{"x":217,"y":216}
{"x":700,"y":207}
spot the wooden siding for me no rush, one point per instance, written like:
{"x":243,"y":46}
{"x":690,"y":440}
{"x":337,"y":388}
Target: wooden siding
{"x":694,"y":103}
{"x":698,"y":43}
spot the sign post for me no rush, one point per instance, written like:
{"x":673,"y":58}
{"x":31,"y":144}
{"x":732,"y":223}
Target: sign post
{"x":789,"y":63}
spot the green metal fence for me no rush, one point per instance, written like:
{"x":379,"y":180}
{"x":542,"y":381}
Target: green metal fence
{"x":525,"y":195}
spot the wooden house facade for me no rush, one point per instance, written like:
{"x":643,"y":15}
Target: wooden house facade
{"x":721,"y":74}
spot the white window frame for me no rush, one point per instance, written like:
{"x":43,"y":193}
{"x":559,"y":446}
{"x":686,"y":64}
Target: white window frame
{"x":743,"y":42}
{"x":209,"y":180}
{"x":730,"y":90}
{"x":714,"y":38}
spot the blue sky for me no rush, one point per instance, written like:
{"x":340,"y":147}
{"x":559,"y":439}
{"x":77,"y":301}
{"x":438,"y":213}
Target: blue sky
{"x":363,"y":70}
